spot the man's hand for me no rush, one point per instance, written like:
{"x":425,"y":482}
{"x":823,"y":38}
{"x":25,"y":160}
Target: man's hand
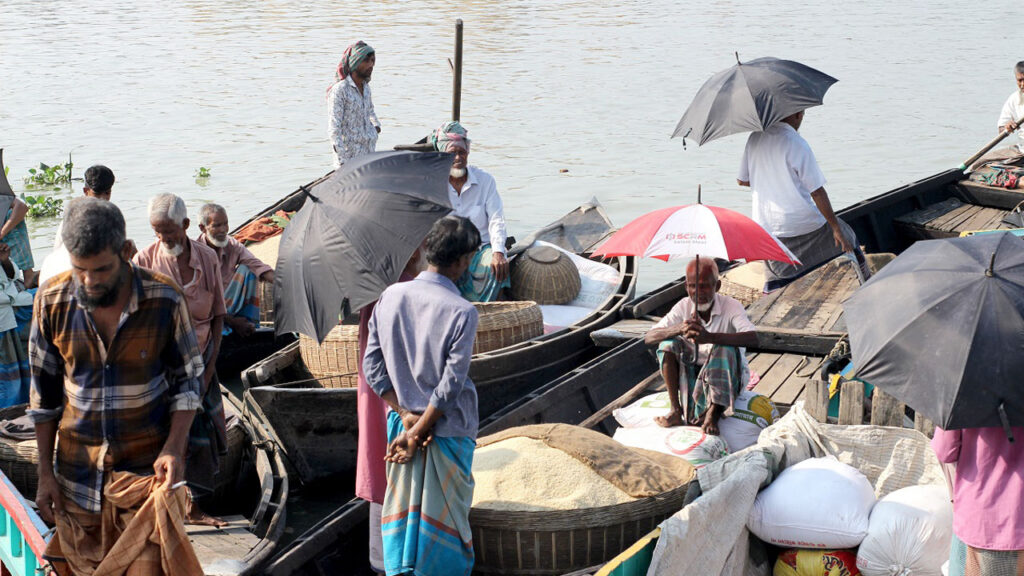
{"x":49,"y":498}
{"x":1010,"y":126}
{"x":169,"y":468}
{"x":499,"y":265}
{"x":240,"y":326}
{"x":409,"y":419}
{"x":401,"y":449}
{"x":841,"y":241}
{"x":5,"y":253}
{"x":695,"y":330}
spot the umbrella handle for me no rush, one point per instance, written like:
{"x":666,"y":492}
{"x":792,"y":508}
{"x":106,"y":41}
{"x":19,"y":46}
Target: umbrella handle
{"x":1006,"y":421}
{"x":1002,"y":135}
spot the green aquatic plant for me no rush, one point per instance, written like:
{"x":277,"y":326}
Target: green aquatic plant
{"x":41,"y":206}
{"x":203,"y":172}
{"x":49,"y":176}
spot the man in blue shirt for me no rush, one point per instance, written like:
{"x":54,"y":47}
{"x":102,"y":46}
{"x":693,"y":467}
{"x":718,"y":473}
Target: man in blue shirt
{"x":417,"y":359}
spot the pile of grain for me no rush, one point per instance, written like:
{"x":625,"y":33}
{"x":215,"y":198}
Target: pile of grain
{"x":267,"y":250}
{"x":528,"y":475}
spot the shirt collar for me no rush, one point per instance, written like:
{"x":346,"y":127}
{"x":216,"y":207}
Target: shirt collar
{"x":428,"y":276}
{"x":470,"y":180}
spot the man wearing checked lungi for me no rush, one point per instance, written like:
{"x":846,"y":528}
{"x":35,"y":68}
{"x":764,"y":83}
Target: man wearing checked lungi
{"x":703,"y":381}
{"x":241,"y":271}
{"x":790,"y":202}
{"x":417,"y":359}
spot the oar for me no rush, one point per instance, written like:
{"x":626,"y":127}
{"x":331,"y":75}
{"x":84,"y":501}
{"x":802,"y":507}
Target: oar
{"x":1002,"y":135}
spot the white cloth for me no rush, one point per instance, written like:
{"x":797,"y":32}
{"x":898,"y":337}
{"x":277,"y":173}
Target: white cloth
{"x":376,"y":538}
{"x":782,"y":172}
{"x":480,"y":203}
{"x":727,"y":317}
{"x":56,"y":261}
{"x":11,"y":296}
{"x":710,"y":536}
{"x":352,"y":122}
{"x":1013,"y":111}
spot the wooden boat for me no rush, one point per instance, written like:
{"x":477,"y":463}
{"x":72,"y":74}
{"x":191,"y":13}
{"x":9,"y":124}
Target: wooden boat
{"x":251,"y":496}
{"x":317,"y":426}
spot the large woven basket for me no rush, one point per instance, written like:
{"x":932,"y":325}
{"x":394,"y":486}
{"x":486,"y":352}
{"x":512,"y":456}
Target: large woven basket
{"x":562,"y":541}
{"x":745,"y":294}
{"x":335,"y":363}
{"x":19,"y":461}
{"x":506,"y":323}
{"x":545,"y":276}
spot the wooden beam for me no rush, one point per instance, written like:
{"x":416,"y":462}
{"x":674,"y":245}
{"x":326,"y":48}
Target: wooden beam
{"x":796,"y":341}
{"x":816,"y":399}
{"x":851,"y":402}
{"x":886,"y":410}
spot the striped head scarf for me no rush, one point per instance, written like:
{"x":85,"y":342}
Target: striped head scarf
{"x":350,"y":60}
{"x":449,"y":135}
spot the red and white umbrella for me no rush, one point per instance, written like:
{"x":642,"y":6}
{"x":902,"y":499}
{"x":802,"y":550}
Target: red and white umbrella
{"x":695,"y":230}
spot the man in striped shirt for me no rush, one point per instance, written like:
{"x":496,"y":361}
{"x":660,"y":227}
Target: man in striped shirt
{"x":115,"y":372}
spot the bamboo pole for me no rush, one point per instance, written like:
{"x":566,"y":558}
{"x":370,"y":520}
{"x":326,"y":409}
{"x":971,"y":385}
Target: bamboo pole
{"x":1002,"y":134}
{"x":457,"y":80}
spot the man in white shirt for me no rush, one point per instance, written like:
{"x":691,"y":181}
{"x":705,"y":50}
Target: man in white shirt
{"x":474,"y":195}
{"x":353,"y":125}
{"x":790,"y":201}
{"x":716,"y":372}
{"x":1013,"y":109}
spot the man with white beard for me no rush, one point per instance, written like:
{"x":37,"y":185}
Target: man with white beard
{"x":240,"y":271}
{"x":716,"y":372}
{"x":474,"y":195}
{"x":195,"y":268}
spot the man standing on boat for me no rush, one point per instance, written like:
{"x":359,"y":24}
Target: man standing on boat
{"x":417,"y":359}
{"x":353,"y":125}
{"x":116,"y":371}
{"x":474,"y":195}
{"x":194,"y":267}
{"x":712,"y":376}
{"x":790,"y":202}
{"x":240,"y":271}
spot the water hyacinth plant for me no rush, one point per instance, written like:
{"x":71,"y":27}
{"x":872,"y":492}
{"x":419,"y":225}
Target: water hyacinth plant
{"x":49,"y":176}
{"x":41,"y":206}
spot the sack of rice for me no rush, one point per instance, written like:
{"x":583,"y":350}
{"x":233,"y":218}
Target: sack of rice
{"x":908,"y":533}
{"x":819,"y":503}
{"x":562,"y":467}
{"x":794,"y":562}
{"x":687,"y":442}
{"x":752,"y":413}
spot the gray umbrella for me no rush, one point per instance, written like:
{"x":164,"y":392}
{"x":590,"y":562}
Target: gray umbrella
{"x":353,"y":236}
{"x":941,"y":328}
{"x":750,"y":97}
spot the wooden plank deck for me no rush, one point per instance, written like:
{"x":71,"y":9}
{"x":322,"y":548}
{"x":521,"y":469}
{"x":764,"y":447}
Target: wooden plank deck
{"x":947,"y":219}
{"x":220,"y":549}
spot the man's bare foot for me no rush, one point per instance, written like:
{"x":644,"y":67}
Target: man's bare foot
{"x":710,"y":425}
{"x":670,"y":420}
{"x":197,"y":517}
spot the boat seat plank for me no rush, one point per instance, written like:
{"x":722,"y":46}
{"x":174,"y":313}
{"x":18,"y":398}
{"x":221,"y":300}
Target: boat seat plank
{"x":219,"y":549}
{"x":792,"y":389}
{"x":949,"y":218}
{"x":762,"y":363}
{"x":621,"y":331}
{"x":780,"y":371}
{"x":932,"y":212}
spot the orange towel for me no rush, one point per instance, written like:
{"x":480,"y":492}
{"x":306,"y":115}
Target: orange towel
{"x":139,"y":531}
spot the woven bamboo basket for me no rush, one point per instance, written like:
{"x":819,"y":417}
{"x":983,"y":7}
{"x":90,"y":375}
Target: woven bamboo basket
{"x":545,"y":276}
{"x":335,"y":363}
{"x":503,"y":324}
{"x":561,"y":541}
{"x":19,"y":461}
{"x":745,"y":294}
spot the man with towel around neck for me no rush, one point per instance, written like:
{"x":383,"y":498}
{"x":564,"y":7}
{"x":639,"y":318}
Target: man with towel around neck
{"x":703,"y":383}
{"x":474,"y":195}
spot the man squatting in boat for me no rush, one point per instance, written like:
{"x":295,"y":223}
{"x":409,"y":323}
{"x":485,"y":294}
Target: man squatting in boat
{"x":703,"y":381}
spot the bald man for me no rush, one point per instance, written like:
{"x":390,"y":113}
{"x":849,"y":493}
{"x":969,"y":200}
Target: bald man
{"x":716,"y":371}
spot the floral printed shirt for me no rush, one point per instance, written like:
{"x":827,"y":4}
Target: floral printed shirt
{"x":352,"y":121}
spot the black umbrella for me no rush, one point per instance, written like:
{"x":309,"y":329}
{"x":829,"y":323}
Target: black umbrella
{"x":941,"y":328}
{"x":750,"y":97}
{"x":354,"y":235}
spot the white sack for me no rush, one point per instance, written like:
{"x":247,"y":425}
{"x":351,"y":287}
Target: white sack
{"x":752,"y":413}
{"x":819,"y":503}
{"x":687,"y":442}
{"x":909,"y":533}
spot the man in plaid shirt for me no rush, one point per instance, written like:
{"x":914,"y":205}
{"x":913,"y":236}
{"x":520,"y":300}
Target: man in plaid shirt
{"x":115,"y":371}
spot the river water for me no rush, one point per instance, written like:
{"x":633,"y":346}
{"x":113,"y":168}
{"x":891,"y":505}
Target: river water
{"x":564,"y":99}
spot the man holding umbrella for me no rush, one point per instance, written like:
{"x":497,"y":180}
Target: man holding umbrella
{"x":790,"y":201}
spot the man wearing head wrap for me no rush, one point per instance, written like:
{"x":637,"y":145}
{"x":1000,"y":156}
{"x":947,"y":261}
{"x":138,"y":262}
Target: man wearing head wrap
{"x":474,"y":195}
{"x":353,"y":125}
